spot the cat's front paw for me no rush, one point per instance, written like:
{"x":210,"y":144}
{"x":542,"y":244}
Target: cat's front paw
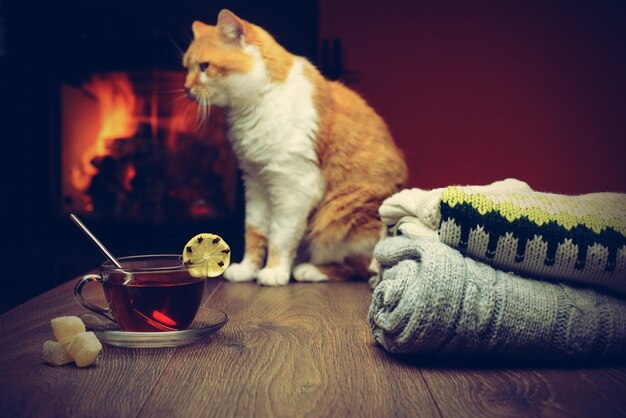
{"x":307,"y":272}
{"x":273,"y":276}
{"x":241,"y":272}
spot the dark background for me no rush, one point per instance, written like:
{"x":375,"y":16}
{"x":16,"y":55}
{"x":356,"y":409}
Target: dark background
{"x":476,"y":91}
{"x":473,"y":91}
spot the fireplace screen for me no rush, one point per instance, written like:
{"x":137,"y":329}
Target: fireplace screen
{"x":134,"y":147}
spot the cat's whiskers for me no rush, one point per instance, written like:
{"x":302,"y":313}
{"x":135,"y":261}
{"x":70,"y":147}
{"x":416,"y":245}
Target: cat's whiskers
{"x":171,"y":91}
{"x":201,"y":112}
{"x":204,"y":111}
{"x":178,"y":98}
{"x":180,"y":51}
{"x":179,"y":94}
{"x":198,"y":113}
{"x":208,"y":109}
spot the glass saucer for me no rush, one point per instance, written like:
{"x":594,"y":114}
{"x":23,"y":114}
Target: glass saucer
{"x":206,"y":323}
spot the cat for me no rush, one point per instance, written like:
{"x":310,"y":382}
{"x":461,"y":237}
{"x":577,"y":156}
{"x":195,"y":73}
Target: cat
{"x":316,"y":160}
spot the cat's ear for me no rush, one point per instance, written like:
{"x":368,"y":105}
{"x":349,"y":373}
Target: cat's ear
{"x":198,"y":28}
{"x":231,"y":28}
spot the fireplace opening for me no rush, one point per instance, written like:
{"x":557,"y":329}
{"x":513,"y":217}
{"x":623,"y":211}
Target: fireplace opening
{"x":135,"y":148}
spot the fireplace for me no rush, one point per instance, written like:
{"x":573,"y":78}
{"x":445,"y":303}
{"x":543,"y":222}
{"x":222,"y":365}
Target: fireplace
{"x":135,"y":148}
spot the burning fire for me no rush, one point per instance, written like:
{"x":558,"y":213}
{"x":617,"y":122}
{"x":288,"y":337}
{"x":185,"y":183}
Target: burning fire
{"x":125,"y":134}
{"x":118,"y":106}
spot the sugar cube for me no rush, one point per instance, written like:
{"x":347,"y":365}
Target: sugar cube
{"x":66,"y":327}
{"x":55,"y":354}
{"x":84,"y":348}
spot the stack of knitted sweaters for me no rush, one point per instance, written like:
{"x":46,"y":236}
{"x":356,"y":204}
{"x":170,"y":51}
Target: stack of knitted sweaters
{"x":502,"y":271}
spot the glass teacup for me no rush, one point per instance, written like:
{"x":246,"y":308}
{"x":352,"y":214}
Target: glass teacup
{"x":148,"y":293}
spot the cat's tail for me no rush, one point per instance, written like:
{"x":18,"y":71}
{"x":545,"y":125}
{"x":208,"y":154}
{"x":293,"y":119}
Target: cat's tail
{"x":343,"y":232}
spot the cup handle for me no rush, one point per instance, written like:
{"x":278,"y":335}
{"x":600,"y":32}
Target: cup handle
{"x":106,"y":312}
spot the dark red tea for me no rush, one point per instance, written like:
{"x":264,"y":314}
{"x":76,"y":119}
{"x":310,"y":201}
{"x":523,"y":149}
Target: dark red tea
{"x":154,"y":301}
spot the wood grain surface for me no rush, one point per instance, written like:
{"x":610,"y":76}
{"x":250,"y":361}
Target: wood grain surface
{"x":295,"y":351}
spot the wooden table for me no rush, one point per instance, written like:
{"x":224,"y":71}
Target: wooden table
{"x":300,"y":350}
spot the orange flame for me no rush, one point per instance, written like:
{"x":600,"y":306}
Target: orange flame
{"x":118,"y":107}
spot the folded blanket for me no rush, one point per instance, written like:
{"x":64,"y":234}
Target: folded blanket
{"x":508,"y":225}
{"x":434,"y":301}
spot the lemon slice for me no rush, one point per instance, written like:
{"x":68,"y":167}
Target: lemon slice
{"x":207,"y":254}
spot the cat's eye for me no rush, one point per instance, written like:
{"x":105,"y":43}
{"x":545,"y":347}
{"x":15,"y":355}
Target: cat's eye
{"x":203,"y":66}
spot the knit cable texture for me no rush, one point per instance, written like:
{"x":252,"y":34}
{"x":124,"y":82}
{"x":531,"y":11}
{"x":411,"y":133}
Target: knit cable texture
{"x":433,"y":300}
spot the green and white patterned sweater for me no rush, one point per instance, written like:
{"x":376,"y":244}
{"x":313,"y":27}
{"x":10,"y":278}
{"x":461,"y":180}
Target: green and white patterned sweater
{"x":512,"y":227}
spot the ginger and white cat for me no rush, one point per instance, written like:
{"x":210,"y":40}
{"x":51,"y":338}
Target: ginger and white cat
{"x":317,"y":161}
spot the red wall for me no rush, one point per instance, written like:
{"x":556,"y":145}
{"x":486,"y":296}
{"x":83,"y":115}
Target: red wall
{"x":478,"y":91}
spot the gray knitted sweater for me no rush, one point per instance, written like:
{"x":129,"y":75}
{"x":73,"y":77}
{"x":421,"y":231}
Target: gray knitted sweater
{"x":433,"y":301}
